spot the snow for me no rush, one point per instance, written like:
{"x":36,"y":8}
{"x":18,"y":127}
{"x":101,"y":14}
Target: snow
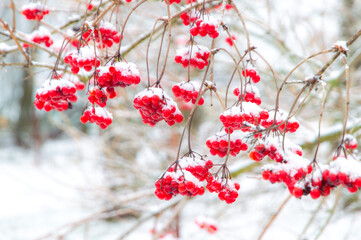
{"x":4,"y":48}
{"x":53,"y":84}
{"x":341,"y":45}
{"x":33,"y":6}
{"x":100,"y":112}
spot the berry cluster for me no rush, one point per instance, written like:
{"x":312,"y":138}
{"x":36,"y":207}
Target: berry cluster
{"x":251,"y":73}
{"x":291,"y":126}
{"x":226,"y":189}
{"x":155,"y":105}
{"x":185,"y":178}
{"x":83,"y":58}
{"x":97,"y":115}
{"x":290,"y":173}
{"x":97,"y":96}
{"x":250,"y":94}
{"x":207,"y":25}
{"x":178,"y":182}
{"x":105,"y":34}
{"x":207,"y":224}
{"x":218,"y":143}
{"x":239,"y":117}
{"x":272,"y":147}
{"x":39,"y":36}
{"x":34,"y":11}
{"x":195,"y":55}
{"x":188,"y":91}
{"x":188,"y":17}
{"x":55,"y":94}
{"x":197,"y":166}
{"x":350,"y":142}
{"x":120,"y":74}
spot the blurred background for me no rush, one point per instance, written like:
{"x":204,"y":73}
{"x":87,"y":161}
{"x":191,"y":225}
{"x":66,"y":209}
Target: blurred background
{"x":61,"y":179}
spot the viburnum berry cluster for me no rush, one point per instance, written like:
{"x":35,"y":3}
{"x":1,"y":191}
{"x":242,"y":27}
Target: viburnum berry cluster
{"x":289,"y":173}
{"x":250,"y":94}
{"x":341,"y":171}
{"x":120,"y":74}
{"x":207,"y":224}
{"x":241,"y":116}
{"x":155,"y":105}
{"x":226,"y":189}
{"x":188,"y":17}
{"x":106,"y":34}
{"x":273,"y":148}
{"x":282,"y":125}
{"x":97,"y":115}
{"x":34,"y":10}
{"x":97,"y":96}
{"x":185,"y":178}
{"x":82,"y":58}
{"x":218,"y":143}
{"x":207,"y":25}
{"x":42,"y":35}
{"x":55,"y":94}
{"x":194,"y":55}
{"x":188,"y":91}
{"x":251,"y":73}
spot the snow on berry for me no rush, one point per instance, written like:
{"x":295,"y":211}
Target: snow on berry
{"x":346,"y":172}
{"x":55,"y":94}
{"x":289,"y":173}
{"x":120,"y":74}
{"x":195,"y":55}
{"x":341,"y":46}
{"x":272,"y":147}
{"x":97,"y":115}
{"x":172,"y":1}
{"x":218,"y":143}
{"x":196,"y":166}
{"x":238,"y":117}
{"x":83,"y":58}
{"x":206,"y":25}
{"x":250,"y":72}
{"x":188,"y":91}
{"x":97,"y":96}
{"x":155,"y":105}
{"x":42,"y":35}
{"x":178,"y":182}
{"x":250,"y":94}
{"x":34,"y":10}
{"x":281,"y":116}
{"x":350,"y":142}
{"x":207,"y":224}
{"x":226,"y":189}
{"x":106,"y":34}
{"x":314,"y":184}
